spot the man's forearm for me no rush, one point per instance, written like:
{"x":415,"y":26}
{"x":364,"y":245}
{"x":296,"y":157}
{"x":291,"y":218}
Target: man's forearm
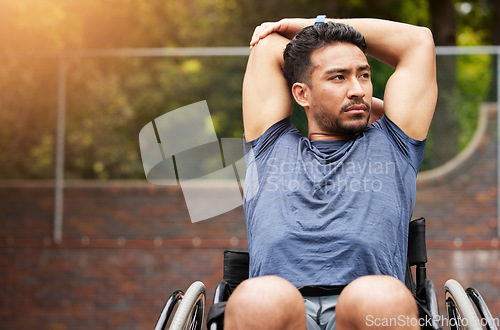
{"x":386,"y":41}
{"x":390,"y":41}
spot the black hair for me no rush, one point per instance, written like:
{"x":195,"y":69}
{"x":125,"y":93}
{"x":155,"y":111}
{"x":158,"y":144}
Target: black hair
{"x":297,"y":54}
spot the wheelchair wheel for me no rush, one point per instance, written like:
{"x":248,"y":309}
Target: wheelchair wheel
{"x":461,"y":313}
{"x":191,"y":311}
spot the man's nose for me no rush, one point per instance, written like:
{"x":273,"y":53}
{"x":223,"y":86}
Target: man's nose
{"x":356,"y":89}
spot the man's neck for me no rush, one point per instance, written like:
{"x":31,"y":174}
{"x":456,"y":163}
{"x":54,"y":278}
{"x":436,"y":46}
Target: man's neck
{"x":330,"y":137}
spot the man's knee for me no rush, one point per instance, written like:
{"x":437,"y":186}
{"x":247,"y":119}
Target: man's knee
{"x":266,"y":302}
{"x":376,"y":302}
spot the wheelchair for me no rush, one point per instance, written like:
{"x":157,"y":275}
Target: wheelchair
{"x":461,"y":305}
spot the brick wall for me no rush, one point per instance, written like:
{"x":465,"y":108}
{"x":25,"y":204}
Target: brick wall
{"x":128,"y":245}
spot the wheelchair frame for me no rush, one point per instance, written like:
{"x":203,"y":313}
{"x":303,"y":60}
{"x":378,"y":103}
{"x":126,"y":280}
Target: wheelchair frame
{"x":461,"y":305}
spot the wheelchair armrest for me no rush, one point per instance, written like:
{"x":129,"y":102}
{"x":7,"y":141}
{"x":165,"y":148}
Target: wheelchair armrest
{"x":236,"y":265}
{"x":417,"y":252}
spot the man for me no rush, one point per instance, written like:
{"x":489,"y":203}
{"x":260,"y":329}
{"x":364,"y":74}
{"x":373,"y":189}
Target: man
{"x":329,"y":213}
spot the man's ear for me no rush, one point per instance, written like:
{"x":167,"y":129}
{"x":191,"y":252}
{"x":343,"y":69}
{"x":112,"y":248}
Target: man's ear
{"x":301,"y":93}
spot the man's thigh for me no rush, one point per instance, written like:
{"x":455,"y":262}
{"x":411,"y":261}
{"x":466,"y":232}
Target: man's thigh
{"x":320,"y":312}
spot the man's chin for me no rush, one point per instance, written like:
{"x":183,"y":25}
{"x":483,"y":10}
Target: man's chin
{"x":355,"y":126}
{"x":347,"y":124}
{"x":353,"y":130}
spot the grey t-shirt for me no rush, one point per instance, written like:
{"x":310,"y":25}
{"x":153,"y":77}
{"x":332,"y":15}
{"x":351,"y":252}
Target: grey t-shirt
{"x":328,"y":212}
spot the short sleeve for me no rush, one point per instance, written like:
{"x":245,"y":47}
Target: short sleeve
{"x":412,"y":149}
{"x":264,"y":143}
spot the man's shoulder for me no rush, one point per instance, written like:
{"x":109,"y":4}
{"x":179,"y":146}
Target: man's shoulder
{"x":281,"y":132}
{"x":390,"y":129}
{"x":385,"y":130}
{"x":282,"y":129}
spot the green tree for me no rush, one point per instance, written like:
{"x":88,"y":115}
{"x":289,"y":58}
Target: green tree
{"x":111,"y":98}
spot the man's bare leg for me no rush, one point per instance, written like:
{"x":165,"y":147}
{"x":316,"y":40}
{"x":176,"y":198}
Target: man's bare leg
{"x":376,"y":302}
{"x":266,"y":303}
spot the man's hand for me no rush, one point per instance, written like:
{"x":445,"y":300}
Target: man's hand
{"x":264,"y":30}
{"x":286,"y":27}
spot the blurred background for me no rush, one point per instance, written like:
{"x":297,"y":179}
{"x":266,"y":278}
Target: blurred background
{"x":86,"y":241}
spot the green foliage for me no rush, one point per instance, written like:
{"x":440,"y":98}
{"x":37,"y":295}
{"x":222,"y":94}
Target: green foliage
{"x":474,"y":20}
{"x":27,"y":117}
{"x":474,"y":80}
{"x":415,"y":12}
{"x":115,"y":99}
{"x":109,"y":99}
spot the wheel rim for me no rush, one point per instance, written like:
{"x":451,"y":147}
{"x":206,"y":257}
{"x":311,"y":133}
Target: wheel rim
{"x":455,"y":318}
{"x":195,"y":319}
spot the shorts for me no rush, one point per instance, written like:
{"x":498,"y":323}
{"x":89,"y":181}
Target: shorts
{"x":320,"y":312}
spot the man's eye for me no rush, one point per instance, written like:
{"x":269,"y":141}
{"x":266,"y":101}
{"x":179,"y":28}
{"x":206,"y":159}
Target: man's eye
{"x":365,"y":75}
{"x":339,"y":77}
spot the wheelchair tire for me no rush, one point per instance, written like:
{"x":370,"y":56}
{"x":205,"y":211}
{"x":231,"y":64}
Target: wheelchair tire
{"x":461,"y":313}
{"x":191,"y":311}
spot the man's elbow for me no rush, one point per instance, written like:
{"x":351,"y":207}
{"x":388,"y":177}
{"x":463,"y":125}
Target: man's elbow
{"x":268,"y":44}
{"x":269,"y":49}
{"x":424,"y":38}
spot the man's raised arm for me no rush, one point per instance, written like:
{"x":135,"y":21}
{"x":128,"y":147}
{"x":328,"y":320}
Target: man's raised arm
{"x":266,"y":95}
{"x":411,"y":92}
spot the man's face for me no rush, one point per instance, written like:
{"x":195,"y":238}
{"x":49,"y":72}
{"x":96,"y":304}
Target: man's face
{"x":340,"y":89}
